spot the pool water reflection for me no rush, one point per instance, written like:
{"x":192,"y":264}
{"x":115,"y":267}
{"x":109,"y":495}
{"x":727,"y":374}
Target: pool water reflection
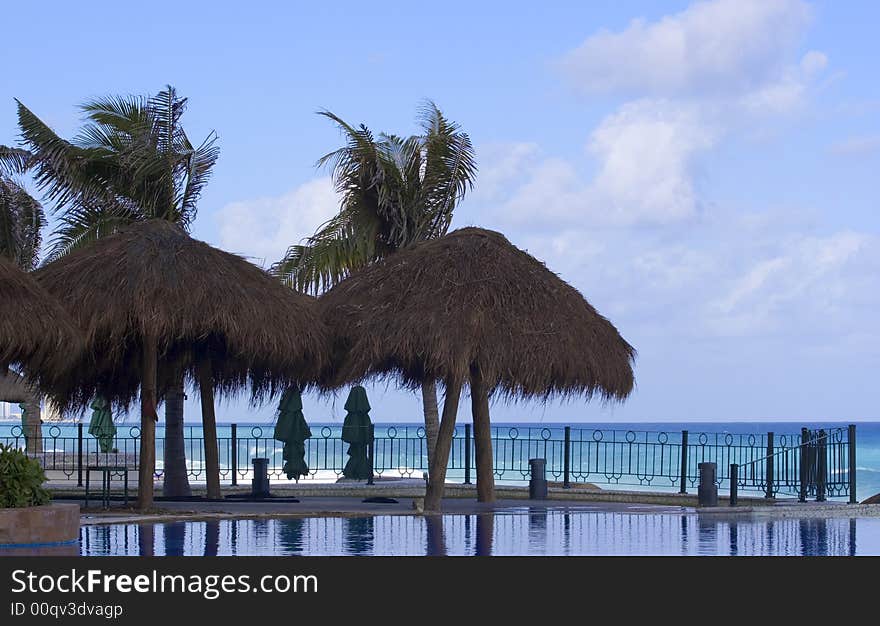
{"x":531,"y":531}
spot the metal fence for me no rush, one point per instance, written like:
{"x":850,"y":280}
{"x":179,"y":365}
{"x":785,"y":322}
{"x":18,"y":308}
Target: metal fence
{"x":822,"y":465}
{"x":769,"y":464}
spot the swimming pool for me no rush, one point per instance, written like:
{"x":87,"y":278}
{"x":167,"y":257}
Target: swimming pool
{"x":526,"y":531}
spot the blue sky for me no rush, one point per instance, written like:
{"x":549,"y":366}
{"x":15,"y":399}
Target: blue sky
{"x":705,"y":173}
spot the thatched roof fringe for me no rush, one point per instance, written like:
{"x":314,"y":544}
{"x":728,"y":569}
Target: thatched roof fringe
{"x":473,"y":299}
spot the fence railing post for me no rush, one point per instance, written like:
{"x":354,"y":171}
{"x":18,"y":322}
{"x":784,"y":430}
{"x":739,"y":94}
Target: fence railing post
{"x":734,"y":484}
{"x":372,"y":449}
{"x":233,"y":453}
{"x":821,"y":466}
{"x":566,"y":458}
{"x":851,"y":442}
{"x":684,"y":461}
{"x":804,"y":464}
{"x":770,"y":466}
{"x":467,"y":454}
{"x":79,"y":455}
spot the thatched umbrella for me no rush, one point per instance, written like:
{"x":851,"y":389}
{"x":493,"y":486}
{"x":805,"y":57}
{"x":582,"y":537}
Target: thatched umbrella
{"x":152,"y":299}
{"x":35,"y":330}
{"x":36,"y":334}
{"x":470,"y":307}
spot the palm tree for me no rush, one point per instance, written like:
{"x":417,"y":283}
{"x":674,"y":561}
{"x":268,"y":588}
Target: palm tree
{"x":131,"y":162}
{"x":21,"y":225}
{"x":395,"y":192}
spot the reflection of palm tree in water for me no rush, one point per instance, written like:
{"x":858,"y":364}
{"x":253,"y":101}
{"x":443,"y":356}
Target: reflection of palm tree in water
{"x":485,"y":531}
{"x":359,"y":535}
{"x":175,"y":537}
{"x":146,"y":540}
{"x":435,"y":543}
{"x":212,"y":537}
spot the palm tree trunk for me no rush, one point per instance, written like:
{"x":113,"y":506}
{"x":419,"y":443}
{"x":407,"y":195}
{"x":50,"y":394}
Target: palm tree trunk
{"x":437,"y":471}
{"x":432,"y":416}
{"x":147,"y":466}
{"x":482,"y":437}
{"x":209,"y":426}
{"x":176,"y":481}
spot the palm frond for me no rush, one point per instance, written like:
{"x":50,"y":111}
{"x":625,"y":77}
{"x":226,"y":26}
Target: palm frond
{"x":21,"y":224}
{"x":341,"y":245}
{"x":14,"y":161}
{"x":200,"y":163}
{"x":83,"y":224}
{"x":63,"y":171}
{"x":394,"y":191}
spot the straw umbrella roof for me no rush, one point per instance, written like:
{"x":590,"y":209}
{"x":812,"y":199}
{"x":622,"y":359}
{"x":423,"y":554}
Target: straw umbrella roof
{"x":152,"y":279}
{"x":35,"y":330}
{"x":468,"y":299}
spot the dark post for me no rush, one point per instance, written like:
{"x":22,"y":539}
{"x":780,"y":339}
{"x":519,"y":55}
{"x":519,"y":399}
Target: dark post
{"x":821,"y":467}
{"x":734,"y":484}
{"x":79,"y":454}
{"x":804,"y":462}
{"x":851,"y":441}
{"x":566,"y":480}
{"x":372,"y":450}
{"x":467,"y":454}
{"x":538,"y":479}
{"x":260,"y":481}
{"x":770,"y":466}
{"x":233,"y":454}
{"x":707,"y":491}
{"x":684,"y":461}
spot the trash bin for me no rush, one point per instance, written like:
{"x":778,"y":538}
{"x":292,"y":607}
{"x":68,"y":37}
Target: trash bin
{"x":260,"y":483}
{"x":538,"y":481}
{"x":707,"y":491}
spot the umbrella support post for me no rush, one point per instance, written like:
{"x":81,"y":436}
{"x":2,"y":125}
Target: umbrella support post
{"x":482,"y":437}
{"x":209,"y":423}
{"x":147,"y":461}
{"x":440,"y":460}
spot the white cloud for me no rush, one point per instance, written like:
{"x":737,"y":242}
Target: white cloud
{"x":647,"y":151}
{"x":711,"y":70}
{"x":727,"y":278}
{"x":722,"y":46}
{"x":808,"y":281}
{"x":263,"y":228}
{"x":502,"y":163}
{"x":645,"y":155}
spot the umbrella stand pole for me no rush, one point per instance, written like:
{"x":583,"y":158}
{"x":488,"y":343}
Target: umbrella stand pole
{"x":432,"y":419}
{"x":209,"y":426}
{"x":440,"y":459}
{"x":482,"y":437}
{"x":147,"y":465}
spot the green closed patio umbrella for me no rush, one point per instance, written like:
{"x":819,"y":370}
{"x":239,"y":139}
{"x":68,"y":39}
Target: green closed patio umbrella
{"x":357,"y":431}
{"x":292,"y":429}
{"x":101,"y":426}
